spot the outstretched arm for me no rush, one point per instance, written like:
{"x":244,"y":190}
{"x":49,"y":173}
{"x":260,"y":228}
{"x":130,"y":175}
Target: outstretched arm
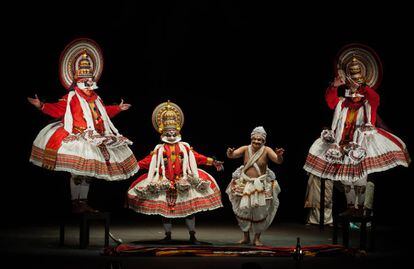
{"x":276,"y":155}
{"x":55,"y":110}
{"x":203,"y":160}
{"x":234,"y":154}
{"x":115,"y":109}
{"x":145,"y":163}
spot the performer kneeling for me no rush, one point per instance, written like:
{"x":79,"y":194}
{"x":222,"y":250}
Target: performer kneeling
{"x":253,"y":190}
{"x":174,"y":186}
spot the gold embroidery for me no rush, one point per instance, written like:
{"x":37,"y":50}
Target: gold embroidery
{"x":209,"y":161}
{"x":173,"y":154}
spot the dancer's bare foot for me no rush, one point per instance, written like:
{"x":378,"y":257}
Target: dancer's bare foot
{"x":246,"y":239}
{"x":243,"y":241}
{"x":256,"y":240}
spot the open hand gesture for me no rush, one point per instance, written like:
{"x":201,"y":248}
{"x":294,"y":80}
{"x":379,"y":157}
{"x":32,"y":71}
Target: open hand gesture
{"x":230,"y":152}
{"x":218,"y":165}
{"x":35,"y":101}
{"x":123,"y":106}
{"x":338,"y":81}
{"x":279,"y":152}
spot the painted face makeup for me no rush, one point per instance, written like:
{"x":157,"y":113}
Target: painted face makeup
{"x":171,"y":136}
{"x":87,"y":84}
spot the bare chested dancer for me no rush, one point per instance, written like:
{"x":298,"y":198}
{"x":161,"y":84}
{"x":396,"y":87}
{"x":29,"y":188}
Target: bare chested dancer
{"x":253,"y":189}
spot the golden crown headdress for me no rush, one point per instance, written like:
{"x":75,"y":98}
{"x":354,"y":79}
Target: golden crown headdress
{"x":84,"y":68}
{"x":356,"y":70}
{"x":360,"y":63}
{"x":81,"y":58}
{"x":167,"y":116}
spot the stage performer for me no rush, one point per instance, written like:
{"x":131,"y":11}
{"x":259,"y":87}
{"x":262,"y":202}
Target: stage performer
{"x":312,"y":200}
{"x":84,"y":142}
{"x":174,"y":186}
{"x":253,"y":190}
{"x":354,"y":146}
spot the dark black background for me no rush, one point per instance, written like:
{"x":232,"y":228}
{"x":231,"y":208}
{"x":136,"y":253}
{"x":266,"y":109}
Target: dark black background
{"x":230,"y":66}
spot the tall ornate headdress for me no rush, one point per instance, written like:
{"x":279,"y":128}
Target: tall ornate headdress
{"x":84,"y":69}
{"x":167,"y":116}
{"x":81,"y":58}
{"x":354,"y":69}
{"x":360,"y":63}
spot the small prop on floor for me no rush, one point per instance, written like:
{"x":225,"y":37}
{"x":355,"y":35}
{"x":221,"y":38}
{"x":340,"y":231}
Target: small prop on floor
{"x":298,"y":253}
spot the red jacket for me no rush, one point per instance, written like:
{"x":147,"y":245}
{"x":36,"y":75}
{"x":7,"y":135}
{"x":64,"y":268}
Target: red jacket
{"x":57,"y":110}
{"x":332,"y":99}
{"x":173,"y":160}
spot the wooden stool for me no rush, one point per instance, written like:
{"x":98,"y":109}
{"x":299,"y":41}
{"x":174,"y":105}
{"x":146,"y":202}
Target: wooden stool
{"x":363,"y":233}
{"x":84,"y":221}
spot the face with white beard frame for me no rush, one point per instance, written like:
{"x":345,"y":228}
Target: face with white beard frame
{"x":87,"y":85}
{"x":171,"y":136}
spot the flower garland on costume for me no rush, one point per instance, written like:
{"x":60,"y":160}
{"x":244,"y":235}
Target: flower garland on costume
{"x":159,"y":183}
{"x":353,"y":150}
{"x":111,"y":138}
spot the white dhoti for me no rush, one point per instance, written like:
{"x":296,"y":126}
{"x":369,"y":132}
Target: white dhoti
{"x":254,"y":200}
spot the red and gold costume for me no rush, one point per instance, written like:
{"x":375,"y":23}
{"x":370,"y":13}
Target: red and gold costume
{"x":84,"y":142}
{"x":354,"y":147}
{"x":174,"y":186}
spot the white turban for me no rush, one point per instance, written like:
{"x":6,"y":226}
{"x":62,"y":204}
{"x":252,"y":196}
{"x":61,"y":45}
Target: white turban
{"x":259,"y":131}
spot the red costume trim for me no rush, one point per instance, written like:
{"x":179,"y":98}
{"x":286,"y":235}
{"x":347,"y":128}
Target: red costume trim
{"x":58,"y":110}
{"x":69,"y":163}
{"x":172,"y":161}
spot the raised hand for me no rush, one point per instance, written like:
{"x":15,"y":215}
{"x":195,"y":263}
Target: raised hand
{"x":279,"y":152}
{"x":230,"y":152}
{"x":338,"y":81}
{"x":123,"y":106}
{"x":35,"y":101}
{"x":218,"y":165}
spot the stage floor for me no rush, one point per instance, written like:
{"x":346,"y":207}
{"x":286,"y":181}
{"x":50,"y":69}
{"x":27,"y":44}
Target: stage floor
{"x":38,"y":245}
